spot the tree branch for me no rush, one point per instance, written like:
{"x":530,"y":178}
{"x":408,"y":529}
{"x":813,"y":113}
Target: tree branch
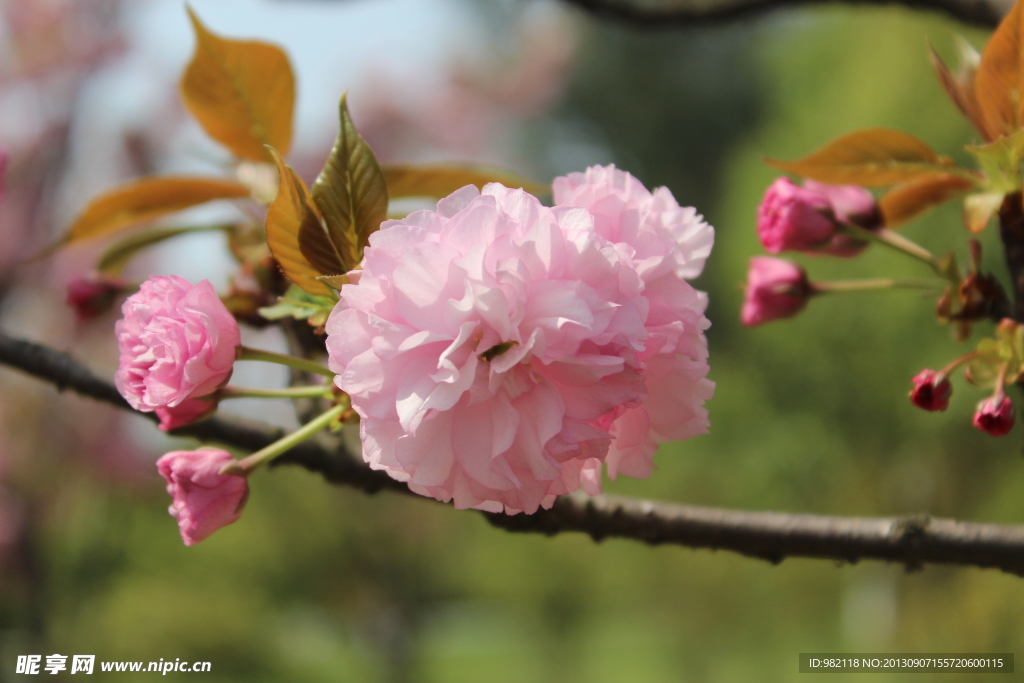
{"x":679,"y":13}
{"x":773,"y":536}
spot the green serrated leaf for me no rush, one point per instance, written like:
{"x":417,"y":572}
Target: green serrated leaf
{"x":1001,"y":161}
{"x":301,"y":305}
{"x":351,"y":195}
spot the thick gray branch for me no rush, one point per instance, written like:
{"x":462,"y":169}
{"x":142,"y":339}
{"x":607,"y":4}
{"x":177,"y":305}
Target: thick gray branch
{"x":773,"y":536}
{"x":678,"y":13}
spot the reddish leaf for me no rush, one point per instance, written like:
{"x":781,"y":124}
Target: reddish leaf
{"x":907,"y":200}
{"x":871,"y":157}
{"x":292,"y":212}
{"x":144,"y":200}
{"x":997,"y":84}
{"x":440,"y":180}
{"x":959,"y":90}
{"x":241,"y":92}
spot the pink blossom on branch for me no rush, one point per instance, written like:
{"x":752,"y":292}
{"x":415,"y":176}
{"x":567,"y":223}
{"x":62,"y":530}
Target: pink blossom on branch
{"x":177,"y":341}
{"x":488,"y":347}
{"x":775,"y":289}
{"x":667,"y":243}
{"x":808,"y":218}
{"x":203,"y":500}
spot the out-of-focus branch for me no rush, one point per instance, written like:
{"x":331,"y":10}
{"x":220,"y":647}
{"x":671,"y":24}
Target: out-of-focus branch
{"x":773,"y":536}
{"x":679,"y":13}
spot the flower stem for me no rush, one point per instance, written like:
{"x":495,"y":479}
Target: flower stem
{"x":246,"y":353}
{"x":246,"y":466}
{"x":894,"y":240}
{"x":955,"y":363}
{"x":879,"y":283}
{"x":290,"y":392}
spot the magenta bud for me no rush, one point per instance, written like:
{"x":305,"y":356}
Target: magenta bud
{"x":775,"y":289}
{"x":995,"y":415}
{"x":929,"y":394}
{"x":808,"y":218}
{"x":93,"y":294}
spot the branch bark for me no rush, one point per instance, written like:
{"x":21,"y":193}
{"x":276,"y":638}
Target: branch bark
{"x":680,"y":13}
{"x":912,"y":541}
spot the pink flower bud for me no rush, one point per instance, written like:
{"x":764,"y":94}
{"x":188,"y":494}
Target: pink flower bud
{"x":177,"y":341}
{"x":849,"y":203}
{"x":185,"y":413}
{"x":775,"y":289}
{"x":995,"y":415}
{"x":203,"y":499}
{"x":93,"y":294}
{"x":794,"y":218}
{"x":928,"y":394}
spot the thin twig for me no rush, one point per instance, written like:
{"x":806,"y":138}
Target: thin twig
{"x":912,"y":541}
{"x":681,"y":13}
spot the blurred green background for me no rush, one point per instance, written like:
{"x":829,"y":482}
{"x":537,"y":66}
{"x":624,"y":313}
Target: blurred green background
{"x":318,"y":583}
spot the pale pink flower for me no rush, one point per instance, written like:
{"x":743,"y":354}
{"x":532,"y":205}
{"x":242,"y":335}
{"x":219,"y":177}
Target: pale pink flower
{"x":177,"y":341}
{"x":775,"y":289}
{"x":203,"y":499}
{"x":665,"y":243}
{"x":482,"y":344}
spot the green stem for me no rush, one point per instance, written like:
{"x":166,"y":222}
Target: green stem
{"x":894,"y":240}
{"x":246,"y":466}
{"x":879,"y":283}
{"x":291,"y":392}
{"x":246,"y":353}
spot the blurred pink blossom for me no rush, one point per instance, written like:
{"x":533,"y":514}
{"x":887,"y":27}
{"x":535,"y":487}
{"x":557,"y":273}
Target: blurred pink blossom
{"x":177,"y":341}
{"x":93,"y":294}
{"x":995,"y":415}
{"x":203,"y":499}
{"x":930,"y":394}
{"x":775,"y":289}
{"x":666,"y":243}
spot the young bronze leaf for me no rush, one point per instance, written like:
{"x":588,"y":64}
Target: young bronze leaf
{"x":290,"y":213}
{"x":960,"y":92}
{"x":872,"y":157}
{"x":907,"y":200}
{"x":979,"y":209}
{"x":440,"y":180}
{"x":350,"y":193}
{"x":241,"y":92}
{"x":141,"y":201}
{"x":997,"y":83}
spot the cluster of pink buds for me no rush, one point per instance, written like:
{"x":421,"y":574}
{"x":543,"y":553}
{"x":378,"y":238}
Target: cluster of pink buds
{"x":992,"y":365}
{"x":815,"y":219}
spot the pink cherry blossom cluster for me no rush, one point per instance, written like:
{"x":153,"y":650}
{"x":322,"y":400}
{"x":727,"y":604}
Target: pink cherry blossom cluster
{"x":500,"y":352}
{"x":808,"y":219}
{"x":497,"y":351}
{"x":178,"y":343}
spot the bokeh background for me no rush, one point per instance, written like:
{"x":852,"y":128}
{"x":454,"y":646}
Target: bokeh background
{"x":318,"y":583}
